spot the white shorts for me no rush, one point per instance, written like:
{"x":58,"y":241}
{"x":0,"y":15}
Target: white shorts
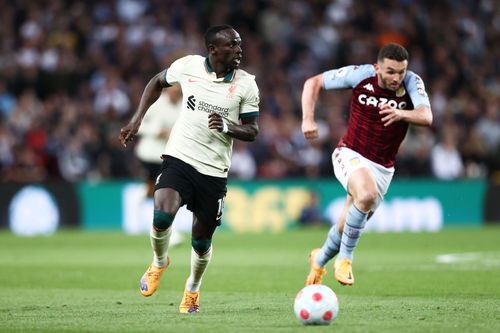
{"x":346,"y":160}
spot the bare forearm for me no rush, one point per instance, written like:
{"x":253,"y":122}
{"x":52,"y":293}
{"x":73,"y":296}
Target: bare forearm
{"x":151,"y":93}
{"x":421,"y":116}
{"x":310,"y":94}
{"x":149,"y":96}
{"x":244,"y":132}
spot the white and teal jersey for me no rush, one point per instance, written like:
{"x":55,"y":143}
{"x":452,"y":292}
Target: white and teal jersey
{"x":234,"y":97}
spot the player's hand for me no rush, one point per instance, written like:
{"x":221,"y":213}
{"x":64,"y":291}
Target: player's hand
{"x":215,"y":121}
{"x":128,"y":133}
{"x":164,"y":134}
{"x":310,"y":129}
{"x":390,"y":114}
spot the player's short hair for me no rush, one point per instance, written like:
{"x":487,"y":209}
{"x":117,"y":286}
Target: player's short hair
{"x":211,"y":33}
{"x":392,"y":51}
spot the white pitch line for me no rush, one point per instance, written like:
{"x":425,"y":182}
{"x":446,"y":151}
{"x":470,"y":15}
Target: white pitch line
{"x":482,"y":258}
{"x":451,"y":258}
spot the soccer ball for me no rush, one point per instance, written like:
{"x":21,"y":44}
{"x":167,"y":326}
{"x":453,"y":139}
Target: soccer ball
{"x":316,"y":305}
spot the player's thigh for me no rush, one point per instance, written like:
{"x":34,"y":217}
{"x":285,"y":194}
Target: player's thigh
{"x":360,"y":182}
{"x":354,"y":172}
{"x":202,"y":230}
{"x":173,"y":187}
{"x":208,"y":203}
{"x":168,"y":200}
{"x":345,"y":162}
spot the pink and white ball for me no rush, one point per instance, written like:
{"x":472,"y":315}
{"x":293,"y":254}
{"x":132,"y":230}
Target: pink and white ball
{"x":316,"y":305}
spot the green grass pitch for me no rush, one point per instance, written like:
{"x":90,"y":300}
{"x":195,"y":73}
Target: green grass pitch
{"x":411,"y":282}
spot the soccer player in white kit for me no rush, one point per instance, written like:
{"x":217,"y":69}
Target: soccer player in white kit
{"x":220,"y":103}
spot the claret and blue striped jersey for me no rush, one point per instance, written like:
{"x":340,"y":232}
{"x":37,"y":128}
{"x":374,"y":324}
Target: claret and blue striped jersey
{"x":366,"y":134}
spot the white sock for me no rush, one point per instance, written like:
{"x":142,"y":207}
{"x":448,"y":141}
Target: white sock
{"x":159,"y":243}
{"x":198,"y":266}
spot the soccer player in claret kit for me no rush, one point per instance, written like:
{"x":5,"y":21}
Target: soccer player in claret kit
{"x":220,"y":103}
{"x":386,"y":97}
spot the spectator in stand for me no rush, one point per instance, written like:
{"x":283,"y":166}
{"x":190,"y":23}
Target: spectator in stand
{"x":445,"y":157}
{"x":311,"y":213}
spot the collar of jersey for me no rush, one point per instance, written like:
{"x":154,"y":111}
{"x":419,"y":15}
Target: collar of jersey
{"x":229,"y":76}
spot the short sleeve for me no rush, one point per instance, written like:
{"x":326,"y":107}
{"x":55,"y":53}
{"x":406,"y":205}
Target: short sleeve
{"x":176,"y":70}
{"x":347,"y":77}
{"x":416,"y":89}
{"x":250,"y":102}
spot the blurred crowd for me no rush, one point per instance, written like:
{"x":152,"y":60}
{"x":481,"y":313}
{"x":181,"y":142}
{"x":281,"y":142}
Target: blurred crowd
{"x":72,"y":72}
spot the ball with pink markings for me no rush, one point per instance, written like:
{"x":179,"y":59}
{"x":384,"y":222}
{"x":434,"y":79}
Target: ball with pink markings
{"x":316,"y":304}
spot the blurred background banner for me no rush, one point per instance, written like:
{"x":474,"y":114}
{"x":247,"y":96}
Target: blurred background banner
{"x":411,"y":205}
{"x":492,"y":202}
{"x":39,"y":209}
{"x":250,"y":206}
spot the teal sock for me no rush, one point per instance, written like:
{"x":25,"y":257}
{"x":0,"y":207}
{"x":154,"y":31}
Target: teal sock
{"x":354,"y":225}
{"x":331,"y":246}
{"x":162,"y":220}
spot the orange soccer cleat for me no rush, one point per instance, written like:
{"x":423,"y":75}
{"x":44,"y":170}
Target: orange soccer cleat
{"x":190,"y":302}
{"x":151,"y":279}
{"x":316,"y":273}
{"x":343,"y":271}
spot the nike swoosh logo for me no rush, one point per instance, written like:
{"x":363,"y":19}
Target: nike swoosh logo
{"x":191,"y":80}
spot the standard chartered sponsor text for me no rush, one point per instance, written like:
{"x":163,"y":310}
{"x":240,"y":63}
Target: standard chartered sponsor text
{"x":207,"y":107}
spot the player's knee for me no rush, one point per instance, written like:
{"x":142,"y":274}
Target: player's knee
{"x":367,"y":200}
{"x":162,"y":220}
{"x":201,"y":246}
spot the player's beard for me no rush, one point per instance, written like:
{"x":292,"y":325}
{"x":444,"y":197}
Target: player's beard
{"x":387,"y":84}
